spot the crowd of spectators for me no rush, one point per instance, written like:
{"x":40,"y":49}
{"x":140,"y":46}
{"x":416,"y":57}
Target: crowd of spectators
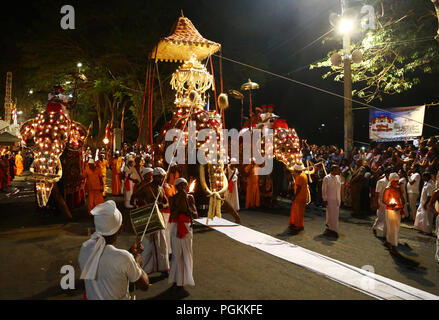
{"x":368,"y":164}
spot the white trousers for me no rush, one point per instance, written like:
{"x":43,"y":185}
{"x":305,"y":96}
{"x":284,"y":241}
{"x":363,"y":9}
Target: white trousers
{"x":167,"y":231}
{"x":182,"y":258}
{"x":332,"y":214}
{"x":393,"y":222}
{"x":155,"y":255}
{"x":380,"y":221}
{"x":413,"y":197}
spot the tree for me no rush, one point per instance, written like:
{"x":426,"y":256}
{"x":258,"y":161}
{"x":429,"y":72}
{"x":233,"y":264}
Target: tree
{"x":397,"y":53}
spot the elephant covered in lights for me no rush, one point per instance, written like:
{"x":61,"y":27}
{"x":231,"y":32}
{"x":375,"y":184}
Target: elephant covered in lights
{"x":48,"y":135}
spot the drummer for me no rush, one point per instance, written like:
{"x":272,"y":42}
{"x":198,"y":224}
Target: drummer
{"x":156,"y":253}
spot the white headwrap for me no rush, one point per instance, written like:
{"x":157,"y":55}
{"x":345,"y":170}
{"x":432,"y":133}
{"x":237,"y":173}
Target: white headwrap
{"x":147,"y":170}
{"x":159,"y":171}
{"x":393,"y":177}
{"x":180,"y":180}
{"x":299,"y":167}
{"x":90,"y":160}
{"x":107,"y":220}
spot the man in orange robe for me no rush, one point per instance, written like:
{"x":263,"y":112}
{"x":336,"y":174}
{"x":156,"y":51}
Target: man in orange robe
{"x":103,"y":164}
{"x":116,"y":176}
{"x":299,"y":199}
{"x":19,"y":163}
{"x":95,"y":185}
{"x":252,"y":197}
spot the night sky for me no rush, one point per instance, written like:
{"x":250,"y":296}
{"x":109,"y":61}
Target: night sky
{"x":269,"y":34}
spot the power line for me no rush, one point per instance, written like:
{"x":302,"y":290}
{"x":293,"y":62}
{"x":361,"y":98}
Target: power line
{"x":322,"y":90}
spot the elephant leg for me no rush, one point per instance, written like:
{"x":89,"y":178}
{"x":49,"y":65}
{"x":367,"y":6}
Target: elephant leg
{"x":232,"y":211}
{"x":60,"y":202}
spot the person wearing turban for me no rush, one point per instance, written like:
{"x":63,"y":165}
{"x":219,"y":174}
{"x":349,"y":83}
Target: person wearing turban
{"x":394,"y":201}
{"x":107,"y":270}
{"x":183,"y":209}
{"x":156,"y":253}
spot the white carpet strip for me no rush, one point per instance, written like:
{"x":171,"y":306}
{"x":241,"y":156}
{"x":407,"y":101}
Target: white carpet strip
{"x":356,"y":278}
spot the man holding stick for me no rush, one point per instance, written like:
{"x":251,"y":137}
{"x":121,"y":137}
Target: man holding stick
{"x":183,"y":210}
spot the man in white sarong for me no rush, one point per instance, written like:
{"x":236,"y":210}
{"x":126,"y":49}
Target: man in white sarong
{"x":156,"y":253}
{"x":331,"y":194}
{"x":232,"y":196}
{"x":183,"y":210}
{"x":425,"y":214}
{"x":394,"y":202}
{"x":414,"y":179}
{"x":434,"y":206}
{"x":380,"y":221}
{"x":107,"y":271}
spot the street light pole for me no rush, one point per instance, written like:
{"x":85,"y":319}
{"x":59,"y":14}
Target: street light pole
{"x":347,"y":76}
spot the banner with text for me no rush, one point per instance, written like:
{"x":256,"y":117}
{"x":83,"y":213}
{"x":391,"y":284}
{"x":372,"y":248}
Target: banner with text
{"x":403,"y":123}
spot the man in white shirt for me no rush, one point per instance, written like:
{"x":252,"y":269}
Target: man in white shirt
{"x":414,"y":179}
{"x":425,"y":214}
{"x":380,"y":221}
{"x":107,"y":271}
{"x":331,"y":194}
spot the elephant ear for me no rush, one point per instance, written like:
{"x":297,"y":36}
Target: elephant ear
{"x":27,"y":132}
{"x":77,"y":137}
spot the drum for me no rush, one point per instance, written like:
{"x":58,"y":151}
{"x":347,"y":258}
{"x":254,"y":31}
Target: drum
{"x":139,"y":218}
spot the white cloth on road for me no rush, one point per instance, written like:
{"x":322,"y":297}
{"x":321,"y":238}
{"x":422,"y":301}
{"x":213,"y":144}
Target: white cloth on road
{"x":369,"y":283}
{"x":331,"y":192}
{"x":155,"y":255}
{"x":116,"y":269}
{"x":181,"y":271}
{"x":424,"y":217}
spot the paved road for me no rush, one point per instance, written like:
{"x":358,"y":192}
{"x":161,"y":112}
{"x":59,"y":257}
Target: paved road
{"x":34,"y":248}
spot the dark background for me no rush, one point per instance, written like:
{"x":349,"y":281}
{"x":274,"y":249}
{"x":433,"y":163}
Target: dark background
{"x":270,"y":34}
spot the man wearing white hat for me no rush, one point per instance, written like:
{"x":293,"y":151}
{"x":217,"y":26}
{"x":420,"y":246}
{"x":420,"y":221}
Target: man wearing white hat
{"x":299,"y":198}
{"x":107,"y":270}
{"x":183,"y":209}
{"x":331,"y":194}
{"x":156,"y":253}
{"x":94,"y":185}
{"x":394,"y":201}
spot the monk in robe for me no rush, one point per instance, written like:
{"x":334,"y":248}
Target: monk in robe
{"x":116,"y":175}
{"x":252,"y":196}
{"x":104,"y":165}
{"x":19,"y":163}
{"x":299,"y":199}
{"x":183,"y":210}
{"x":94,"y":184}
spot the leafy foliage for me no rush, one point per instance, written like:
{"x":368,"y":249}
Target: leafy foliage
{"x":396,"y":54}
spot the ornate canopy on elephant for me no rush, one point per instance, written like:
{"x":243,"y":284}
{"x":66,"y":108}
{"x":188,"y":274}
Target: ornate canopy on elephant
{"x":183,"y":42}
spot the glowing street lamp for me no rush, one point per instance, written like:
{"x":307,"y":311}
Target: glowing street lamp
{"x":346,"y":26}
{"x":31,"y":91}
{"x":79,"y":65}
{"x":106,"y":141}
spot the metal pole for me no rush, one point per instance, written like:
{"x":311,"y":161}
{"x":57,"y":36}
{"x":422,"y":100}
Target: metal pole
{"x":348,"y":116}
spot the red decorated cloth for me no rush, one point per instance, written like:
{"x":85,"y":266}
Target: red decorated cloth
{"x":53,"y":107}
{"x":230,"y":186}
{"x":127,"y":184}
{"x":280,"y":123}
{"x":182,"y":231}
